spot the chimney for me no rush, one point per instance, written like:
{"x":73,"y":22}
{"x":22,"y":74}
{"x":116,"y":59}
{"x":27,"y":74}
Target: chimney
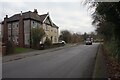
{"x":6,"y":16}
{"x":21,"y":31}
{"x":5,"y":30}
{"x":35,"y":11}
{"x":21,"y":13}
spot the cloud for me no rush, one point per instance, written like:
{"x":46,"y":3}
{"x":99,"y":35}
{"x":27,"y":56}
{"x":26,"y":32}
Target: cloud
{"x":41,"y":0}
{"x":67,"y":15}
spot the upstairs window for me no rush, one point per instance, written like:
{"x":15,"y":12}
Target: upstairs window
{"x":34,"y":24}
{"x":55,"y":31}
{"x":17,"y":25}
{"x":47,"y":29}
{"x":55,"y":39}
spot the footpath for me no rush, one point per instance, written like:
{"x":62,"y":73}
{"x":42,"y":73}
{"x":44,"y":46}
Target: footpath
{"x":100,"y":70}
{"x":32,"y":53}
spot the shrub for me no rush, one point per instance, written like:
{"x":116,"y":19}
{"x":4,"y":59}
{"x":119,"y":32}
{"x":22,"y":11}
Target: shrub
{"x":58,"y":44}
{"x":37,"y":35}
{"x":10,"y":47}
{"x":47,"y":43}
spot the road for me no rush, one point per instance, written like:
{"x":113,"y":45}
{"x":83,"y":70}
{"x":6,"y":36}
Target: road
{"x":0,"y":65}
{"x":72,"y":62}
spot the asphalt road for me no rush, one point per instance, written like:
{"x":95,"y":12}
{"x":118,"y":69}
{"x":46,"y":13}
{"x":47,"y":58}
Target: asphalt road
{"x":0,"y":65}
{"x":72,"y":62}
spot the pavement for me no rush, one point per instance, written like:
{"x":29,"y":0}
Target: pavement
{"x":70,"y":62}
{"x":13,"y":57}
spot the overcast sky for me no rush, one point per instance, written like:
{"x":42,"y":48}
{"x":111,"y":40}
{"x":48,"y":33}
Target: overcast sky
{"x":67,"y":14}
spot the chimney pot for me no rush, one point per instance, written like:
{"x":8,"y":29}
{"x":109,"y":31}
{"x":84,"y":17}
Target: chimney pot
{"x":35,"y":11}
{"x":21,"y":12}
{"x":6,"y":16}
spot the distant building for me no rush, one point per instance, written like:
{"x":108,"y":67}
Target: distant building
{"x":18,"y":27}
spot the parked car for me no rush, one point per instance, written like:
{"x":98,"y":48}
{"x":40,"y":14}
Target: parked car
{"x":62,"y":42}
{"x":41,"y":45}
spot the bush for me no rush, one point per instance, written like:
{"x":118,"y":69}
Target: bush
{"x":37,"y":35}
{"x":58,"y":44}
{"x":47,"y":43}
{"x":112,"y":46}
{"x":10,"y":47}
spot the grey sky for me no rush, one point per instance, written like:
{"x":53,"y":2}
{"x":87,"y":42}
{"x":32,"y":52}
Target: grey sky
{"x":70,"y":15}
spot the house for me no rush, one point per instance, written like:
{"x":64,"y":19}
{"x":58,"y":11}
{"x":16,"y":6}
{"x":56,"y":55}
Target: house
{"x":18,"y":28}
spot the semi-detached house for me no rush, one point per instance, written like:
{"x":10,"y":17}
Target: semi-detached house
{"x":18,"y":27}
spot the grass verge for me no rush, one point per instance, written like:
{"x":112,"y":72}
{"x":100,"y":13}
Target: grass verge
{"x":21,"y":50}
{"x":100,"y":65}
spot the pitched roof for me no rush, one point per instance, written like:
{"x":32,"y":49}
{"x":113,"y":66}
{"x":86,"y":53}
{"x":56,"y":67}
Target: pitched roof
{"x":26,"y":15}
{"x":30,"y":15}
{"x":42,"y":17}
{"x":54,"y":25}
{"x":34,"y":16}
{"x":14,"y":17}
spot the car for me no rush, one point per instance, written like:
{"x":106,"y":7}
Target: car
{"x":88,"y":41}
{"x":41,"y":46}
{"x":62,"y":42}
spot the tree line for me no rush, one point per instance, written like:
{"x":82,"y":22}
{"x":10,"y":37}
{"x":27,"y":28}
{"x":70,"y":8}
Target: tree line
{"x":106,"y":18}
{"x":70,"y":37}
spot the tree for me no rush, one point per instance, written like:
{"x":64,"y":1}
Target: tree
{"x":66,"y":36}
{"x":36,"y":35}
{"x":85,"y":35}
{"x":10,"y":48}
{"x":76,"y":38}
{"x":47,"y":43}
{"x":106,"y":18}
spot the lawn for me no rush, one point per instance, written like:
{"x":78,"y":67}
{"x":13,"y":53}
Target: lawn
{"x":21,"y":50}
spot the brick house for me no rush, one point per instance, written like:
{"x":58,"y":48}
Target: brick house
{"x":18,"y":28}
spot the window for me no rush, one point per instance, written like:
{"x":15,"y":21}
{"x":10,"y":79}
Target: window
{"x":17,"y":25}
{"x":9,"y":27}
{"x":47,"y":27}
{"x":17,"y":40}
{"x":13,"y":26}
{"x":9,"y":37}
{"x":34,"y":24}
{"x":55,"y":31}
{"x":55,"y":39}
